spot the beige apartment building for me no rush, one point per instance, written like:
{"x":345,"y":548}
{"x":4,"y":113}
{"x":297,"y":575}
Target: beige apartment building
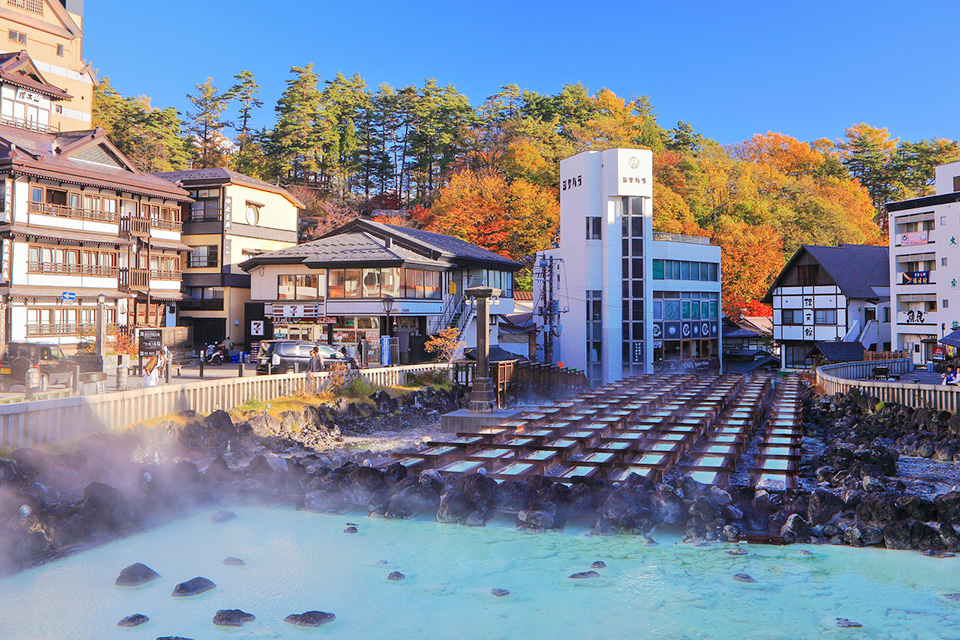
{"x":51,"y":32}
{"x":233,"y":218}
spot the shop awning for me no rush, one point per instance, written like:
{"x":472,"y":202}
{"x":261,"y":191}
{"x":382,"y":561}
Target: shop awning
{"x":952,"y":339}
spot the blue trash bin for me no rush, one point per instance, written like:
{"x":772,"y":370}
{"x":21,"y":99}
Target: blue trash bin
{"x":930,"y":367}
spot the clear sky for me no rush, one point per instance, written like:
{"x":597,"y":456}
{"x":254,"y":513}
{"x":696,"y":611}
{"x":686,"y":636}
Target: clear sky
{"x":731,"y":69}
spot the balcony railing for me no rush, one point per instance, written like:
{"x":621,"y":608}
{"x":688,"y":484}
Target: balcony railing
{"x":203,"y":263}
{"x":134,"y":279}
{"x":173,"y":225}
{"x":64,"y":211}
{"x":68,"y":329}
{"x":206,"y":304}
{"x":161,"y":274}
{"x":139,"y":227}
{"x":661,"y":236}
{"x":72,"y":269}
{"x":29,"y":125}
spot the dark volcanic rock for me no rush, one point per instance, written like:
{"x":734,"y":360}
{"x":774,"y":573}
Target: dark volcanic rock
{"x":350,"y":530}
{"x":222,"y":516}
{"x":622,"y":512}
{"x":500,"y":592}
{"x":599,"y":564}
{"x":455,"y":506}
{"x":396,"y":575}
{"x":136,"y":575}
{"x":822,"y":506}
{"x":582,"y":575}
{"x":743,"y":577}
{"x":193,"y":587}
{"x":511,"y":495}
{"x":232,"y":617}
{"x":133,"y":621}
{"x":310,"y":618}
{"x":234,"y":562}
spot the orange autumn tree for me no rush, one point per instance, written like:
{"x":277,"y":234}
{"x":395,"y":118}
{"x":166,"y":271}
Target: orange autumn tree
{"x":513,"y":218}
{"x":752,"y":256}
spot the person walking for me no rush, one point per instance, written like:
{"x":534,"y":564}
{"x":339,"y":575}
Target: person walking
{"x":314,"y":368}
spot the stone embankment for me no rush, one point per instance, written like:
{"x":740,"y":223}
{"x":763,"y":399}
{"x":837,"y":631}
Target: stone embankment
{"x":109,"y":485}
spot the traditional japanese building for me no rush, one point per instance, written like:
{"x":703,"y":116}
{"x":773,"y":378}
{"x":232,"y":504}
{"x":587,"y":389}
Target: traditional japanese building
{"x":831,"y":294}
{"x":365,"y":280}
{"x":79,"y":224}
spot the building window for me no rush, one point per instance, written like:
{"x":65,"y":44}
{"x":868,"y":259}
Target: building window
{"x":33,"y":6}
{"x":807,"y":275}
{"x":945,"y":304}
{"x":886,"y":314}
{"x":58,"y":108}
{"x":253,"y":214}
{"x":299,"y":287}
{"x":206,"y":205}
{"x":205,"y":256}
{"x":60,"y":50}
{"x":17,"y":36}
{"x":593,"y":228}
{"x":943,"y":262}
{"x":791,"y":316}
{"x":682,"y":270}
{"x":825,"y":316}
{"x":956,"y":183}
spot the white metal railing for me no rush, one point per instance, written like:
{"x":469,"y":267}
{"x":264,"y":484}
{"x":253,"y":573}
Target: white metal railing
{"x":29,"y":424}
{"x":663,"y":236}
{"x":841,"y":378}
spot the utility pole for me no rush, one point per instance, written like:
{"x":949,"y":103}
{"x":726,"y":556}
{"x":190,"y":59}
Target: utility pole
{"x":549,"y":306}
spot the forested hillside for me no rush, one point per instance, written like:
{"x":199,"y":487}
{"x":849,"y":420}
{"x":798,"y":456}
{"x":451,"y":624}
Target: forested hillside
{"x":423,"y":156}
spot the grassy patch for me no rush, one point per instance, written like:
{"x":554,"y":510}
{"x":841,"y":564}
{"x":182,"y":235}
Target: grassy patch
{"x":253,"y":403}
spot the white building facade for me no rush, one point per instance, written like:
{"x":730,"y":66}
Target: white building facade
{"x":830,"y":294}
{"x":628,"y":300}
{"x":925,"y":266}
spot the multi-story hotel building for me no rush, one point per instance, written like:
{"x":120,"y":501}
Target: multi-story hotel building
{"x":51,"y":32}
{"x":233,"y":218}
{"x":925,"y":265}
{"x":79,"y":223}
{"x":635,"y":300}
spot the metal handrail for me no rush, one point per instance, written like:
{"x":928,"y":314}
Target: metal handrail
{"x":663,"y":236}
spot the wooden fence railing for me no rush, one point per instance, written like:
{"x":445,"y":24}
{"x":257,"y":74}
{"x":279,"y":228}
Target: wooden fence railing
{"x":28,"y":424}
{"x":841,"y":378}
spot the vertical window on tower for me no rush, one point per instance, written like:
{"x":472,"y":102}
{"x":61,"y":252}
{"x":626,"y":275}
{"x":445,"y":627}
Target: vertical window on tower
{"x":60,"y":50}
{"x":593,"y":228}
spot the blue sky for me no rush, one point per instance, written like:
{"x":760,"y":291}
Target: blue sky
{"x":732,"y":69}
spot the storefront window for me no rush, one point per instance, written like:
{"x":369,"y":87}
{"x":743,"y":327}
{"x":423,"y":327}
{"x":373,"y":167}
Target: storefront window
{"x":390,"y":283}
{"x":371,"y":283}
{"x":351,"y":283}
{"x":431,"y":285}
{"x":287,"y":288}
{"x":308,"y":287}
{"x":409,"y":283}
{"x":335,"y":283}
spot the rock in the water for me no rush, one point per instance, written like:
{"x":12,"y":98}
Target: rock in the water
{"x":585,"y":574}
{"x":310,"y":618}
{"x":351,"y":524}
{"x":804,"y":553}
{"x":192,"y":587}
{"x":382,"y":562}
{"x":743,"y":577}
{"x":955,"y":597}
{"x":500,"y":592}
{"x":133,"y":621}
{"x":736,"y":552}
{"x":350,"y":530}
{"x":174,"y":638}
{"x":233,"y":562}
{"x":599,"y":564}
{"x":396,"y":575}
{"x":136,"y":575}
{"x":222,"y":516}
{"x":843,"y":623}
{"x":232,"y":617}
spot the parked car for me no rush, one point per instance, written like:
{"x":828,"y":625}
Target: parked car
{"x":18,"y":357}
{"x":286,"y":355}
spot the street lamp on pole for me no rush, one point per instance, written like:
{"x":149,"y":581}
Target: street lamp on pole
{"x":387,"y":308}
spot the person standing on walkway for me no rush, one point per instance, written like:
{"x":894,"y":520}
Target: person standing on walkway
{"x":314,"y":367}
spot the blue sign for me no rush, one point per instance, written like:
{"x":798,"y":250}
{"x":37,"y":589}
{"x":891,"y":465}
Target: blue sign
{"x":69,"y":296}
{"x":385,"y":351}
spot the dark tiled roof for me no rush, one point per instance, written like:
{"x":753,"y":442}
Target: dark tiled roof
{"x":856,"y":268}
{"x":48,"y":155}
{"x":839,"y":351}
{"x":196,"y":177}
{"x":456,"y":247}
{"x":349,"y":248}
{"x":18,"y":69}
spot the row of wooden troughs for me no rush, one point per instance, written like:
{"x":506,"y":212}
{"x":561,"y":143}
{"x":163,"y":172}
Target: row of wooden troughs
{"x":646,"y":425}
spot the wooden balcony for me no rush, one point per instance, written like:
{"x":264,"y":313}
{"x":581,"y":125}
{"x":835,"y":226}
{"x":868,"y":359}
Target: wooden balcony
{"x":29,"y":125}
{"x":135,"y":280}
{"x":72,"y":269}
{"x":76,"y":213}
{"x":139,"y":227}
{"x":68,"y":329}
{"x":159,"y":274}
{"x":172,"y":225}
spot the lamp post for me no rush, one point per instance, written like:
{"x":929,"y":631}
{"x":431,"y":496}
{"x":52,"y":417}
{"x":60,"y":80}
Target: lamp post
{"x":482,"y":396}
{"x":101,"y":330}
{"x":387,"y":308}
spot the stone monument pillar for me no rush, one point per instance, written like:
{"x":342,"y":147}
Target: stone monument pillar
{"x":483,"y":398}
